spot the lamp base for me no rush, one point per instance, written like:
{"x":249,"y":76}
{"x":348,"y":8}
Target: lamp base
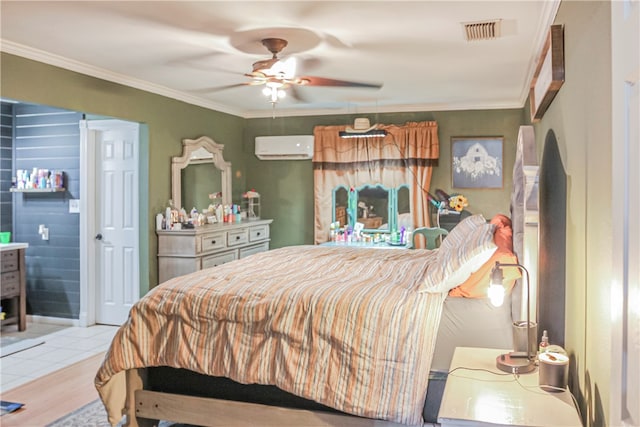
{"x":514,"y":365}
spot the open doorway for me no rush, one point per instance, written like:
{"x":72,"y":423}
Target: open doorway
{"x":58,"y":277}
{"x":109,"y":232}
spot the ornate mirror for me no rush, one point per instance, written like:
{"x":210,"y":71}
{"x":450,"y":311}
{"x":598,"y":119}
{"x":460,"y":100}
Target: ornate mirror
{"x":201,"y":152}
{"x":378,"y":208}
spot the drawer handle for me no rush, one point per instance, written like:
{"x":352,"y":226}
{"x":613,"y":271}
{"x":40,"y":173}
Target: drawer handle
{"x":213,"y":242}
{"x":237,"y":237}
{"x":258,"y":233}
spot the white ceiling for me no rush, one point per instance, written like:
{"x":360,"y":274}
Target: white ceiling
{"x":184,"y":49}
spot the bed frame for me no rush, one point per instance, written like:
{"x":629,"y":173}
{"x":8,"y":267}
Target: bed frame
{"x":143,"y":407}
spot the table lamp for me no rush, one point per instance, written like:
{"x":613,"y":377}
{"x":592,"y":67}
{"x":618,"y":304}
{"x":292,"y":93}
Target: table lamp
{"x":512,"y":362}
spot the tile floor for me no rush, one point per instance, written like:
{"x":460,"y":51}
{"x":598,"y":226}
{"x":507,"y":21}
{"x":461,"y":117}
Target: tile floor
{"x":63,"y":346}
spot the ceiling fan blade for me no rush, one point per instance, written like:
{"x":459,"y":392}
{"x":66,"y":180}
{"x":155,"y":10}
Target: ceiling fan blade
{"x":295,"y":94}
{"x":264,"y":65}
{"x":220,"y":88}
{"x":322,"y":81}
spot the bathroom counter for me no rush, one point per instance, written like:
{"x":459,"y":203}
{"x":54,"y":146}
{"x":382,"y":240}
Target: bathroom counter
{"x":12,"y":246}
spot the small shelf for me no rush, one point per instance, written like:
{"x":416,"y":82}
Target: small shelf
{"x":37,"y":190}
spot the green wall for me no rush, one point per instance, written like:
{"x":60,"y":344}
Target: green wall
{"x":167,"y":121}
{"x":580,"y":117}
{"x":286,"y":186}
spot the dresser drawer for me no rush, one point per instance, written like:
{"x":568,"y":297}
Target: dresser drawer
{"x":213,"y":241}
{"x":218,"y":259}
{"x":262,"y":247}
{"x":237,"y":237}
{"x":10,"y":284}
{"x":9,"y":261}
{"x":259,"y":232}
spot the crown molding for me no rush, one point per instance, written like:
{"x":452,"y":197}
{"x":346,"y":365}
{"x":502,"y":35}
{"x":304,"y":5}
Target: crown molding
{"x":547,"y":18}
{"x":100,"y":73}
{"x":405,"y":108}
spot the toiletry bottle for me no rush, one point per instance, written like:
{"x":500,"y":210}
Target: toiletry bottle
{"x":544,"y":342}
{"x":167,"y":217}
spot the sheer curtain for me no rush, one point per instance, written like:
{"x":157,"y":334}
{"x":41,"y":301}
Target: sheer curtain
{"x":404,"y":156}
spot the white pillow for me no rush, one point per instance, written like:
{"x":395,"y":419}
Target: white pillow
{"x":463,"y":229}
{"x":454,"y":264}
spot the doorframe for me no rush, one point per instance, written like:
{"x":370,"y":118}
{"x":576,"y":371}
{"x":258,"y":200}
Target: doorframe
{"x":625,"y":285}
{"x":88,"y":213}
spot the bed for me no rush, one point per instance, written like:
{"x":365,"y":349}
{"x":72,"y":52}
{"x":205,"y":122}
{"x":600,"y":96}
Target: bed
{"x":315,"y":335}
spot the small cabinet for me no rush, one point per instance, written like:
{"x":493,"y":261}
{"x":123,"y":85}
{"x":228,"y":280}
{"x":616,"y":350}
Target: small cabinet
{"x":188,"y":250}
{"x":13,"y":288}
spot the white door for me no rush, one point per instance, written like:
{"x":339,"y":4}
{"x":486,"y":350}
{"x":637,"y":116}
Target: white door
{"x":625,"y":349}
{"x":113,"y":262}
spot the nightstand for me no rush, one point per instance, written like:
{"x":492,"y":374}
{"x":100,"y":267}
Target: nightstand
{"x":480,"y":398}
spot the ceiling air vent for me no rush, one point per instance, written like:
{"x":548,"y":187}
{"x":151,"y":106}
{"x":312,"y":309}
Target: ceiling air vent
{"x":485,"y":30}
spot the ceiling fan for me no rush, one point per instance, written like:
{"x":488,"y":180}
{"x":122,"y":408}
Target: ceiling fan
{"x":277,"y":74}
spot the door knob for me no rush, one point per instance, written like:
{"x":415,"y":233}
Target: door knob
{"x":98,"y":236}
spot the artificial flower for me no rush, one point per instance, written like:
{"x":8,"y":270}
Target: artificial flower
{"x":458,"y":202}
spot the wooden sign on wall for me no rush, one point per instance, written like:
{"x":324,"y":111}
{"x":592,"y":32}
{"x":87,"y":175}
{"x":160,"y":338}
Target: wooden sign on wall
{"x":549,"y":74}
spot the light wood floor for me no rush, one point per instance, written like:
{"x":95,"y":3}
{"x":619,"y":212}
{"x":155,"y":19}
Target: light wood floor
{"x":48,"y":398}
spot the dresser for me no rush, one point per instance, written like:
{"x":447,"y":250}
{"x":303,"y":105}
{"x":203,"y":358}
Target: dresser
{"x":13,"y":281}
{"x":185,"y":251}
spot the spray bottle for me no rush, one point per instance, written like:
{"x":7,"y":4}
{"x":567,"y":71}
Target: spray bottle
{"x":544,"y":342}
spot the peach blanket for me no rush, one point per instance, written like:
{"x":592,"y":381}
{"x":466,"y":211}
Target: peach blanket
{"x":343,"y":326}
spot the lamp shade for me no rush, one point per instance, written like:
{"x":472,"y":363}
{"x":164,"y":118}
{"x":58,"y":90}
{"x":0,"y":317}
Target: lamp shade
{"x":496,"y":288}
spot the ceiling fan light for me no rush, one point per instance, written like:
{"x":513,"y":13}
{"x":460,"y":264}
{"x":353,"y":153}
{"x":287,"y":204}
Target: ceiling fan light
{"x":266,"y":91}
{"x":281,"y":94}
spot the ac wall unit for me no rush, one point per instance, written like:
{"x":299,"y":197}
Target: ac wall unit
{"x":285,"y":147}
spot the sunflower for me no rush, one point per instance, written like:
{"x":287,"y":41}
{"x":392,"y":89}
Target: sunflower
{"x":458,"y":202}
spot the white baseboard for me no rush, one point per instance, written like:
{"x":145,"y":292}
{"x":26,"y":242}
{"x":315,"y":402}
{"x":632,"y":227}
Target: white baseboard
{"x":33,"y":318}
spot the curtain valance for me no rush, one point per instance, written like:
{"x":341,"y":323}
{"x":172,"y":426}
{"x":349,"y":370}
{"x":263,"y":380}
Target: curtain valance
{"x":417,"y":141}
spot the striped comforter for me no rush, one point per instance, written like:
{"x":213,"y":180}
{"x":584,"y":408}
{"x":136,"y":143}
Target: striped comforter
{"x":342,"y":326}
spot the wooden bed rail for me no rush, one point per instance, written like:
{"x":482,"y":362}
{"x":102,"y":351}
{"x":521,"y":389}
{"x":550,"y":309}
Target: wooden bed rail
{"x":144,"y":409}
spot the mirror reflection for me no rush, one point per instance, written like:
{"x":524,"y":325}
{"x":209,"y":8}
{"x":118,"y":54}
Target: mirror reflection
{"x":373,"y":207}
{"x":198,"y":181}
{"x":404,"y":208}
{"x":341,"y":201}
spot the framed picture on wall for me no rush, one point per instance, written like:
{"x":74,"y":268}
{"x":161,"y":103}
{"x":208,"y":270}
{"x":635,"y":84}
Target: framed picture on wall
{"x":476,"y":162}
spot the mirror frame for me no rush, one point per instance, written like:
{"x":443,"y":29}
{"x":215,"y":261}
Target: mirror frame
{"x":197,"y":151}
{"x":352,"y":200}
{"x":395,"y":215}
{"x":333,"y":204}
